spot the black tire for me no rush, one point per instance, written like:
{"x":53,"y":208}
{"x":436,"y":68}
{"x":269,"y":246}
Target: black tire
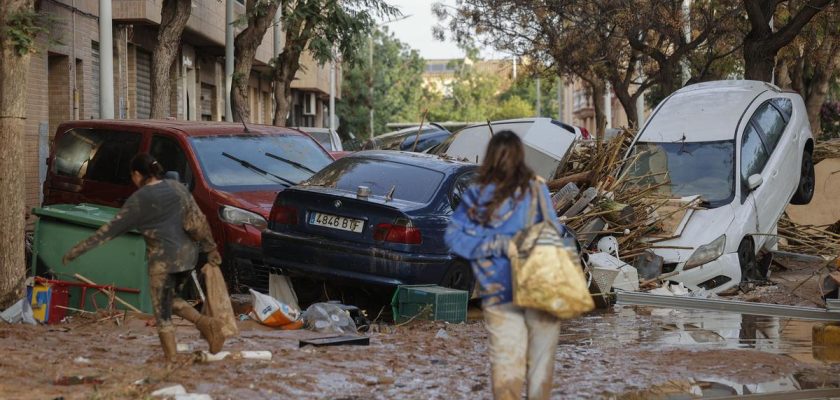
{"x":750,"y":269}
{"x":459,"y":276}
{"x":807,"y":180}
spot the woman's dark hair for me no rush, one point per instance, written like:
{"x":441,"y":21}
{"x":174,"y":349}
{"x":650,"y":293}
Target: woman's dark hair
{"x":147,"y":166}
{"x":504,"y":166}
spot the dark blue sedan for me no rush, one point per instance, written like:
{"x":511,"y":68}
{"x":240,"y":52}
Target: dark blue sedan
{"x":375,"y":217}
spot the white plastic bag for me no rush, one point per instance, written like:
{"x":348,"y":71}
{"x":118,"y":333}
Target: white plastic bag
{"x":271,"y":312}
{"x":328,"y":318}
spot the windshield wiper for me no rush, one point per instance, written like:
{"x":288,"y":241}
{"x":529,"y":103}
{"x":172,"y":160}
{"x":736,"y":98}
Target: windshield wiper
{"x":290,"y":162}
{"x":258,"y":170}
{"x":682,"y":146}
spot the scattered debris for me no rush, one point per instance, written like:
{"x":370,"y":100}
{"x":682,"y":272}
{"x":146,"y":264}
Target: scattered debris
{"x":270,"y":312}
{"x":20,"y":312}
{"x":336,"y":341}
{"x":77,"y":380}
{"x":611,"y":273}
{"x":204,"y":356}
{"x":169,"y":391}
{"x":807,"y":239}
{"x":441,"y":334}
{"x":81,"y":360}
{"x":328,"y":318}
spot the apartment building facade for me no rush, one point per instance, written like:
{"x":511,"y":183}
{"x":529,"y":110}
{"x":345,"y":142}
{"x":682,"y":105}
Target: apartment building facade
{"x":64,"y":73}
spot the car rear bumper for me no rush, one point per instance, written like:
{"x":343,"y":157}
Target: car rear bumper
{"x":320,"y":258}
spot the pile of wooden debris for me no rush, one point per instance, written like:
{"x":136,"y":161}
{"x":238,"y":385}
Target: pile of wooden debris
{"x":808,"y":239}
{"x":593,"y":197}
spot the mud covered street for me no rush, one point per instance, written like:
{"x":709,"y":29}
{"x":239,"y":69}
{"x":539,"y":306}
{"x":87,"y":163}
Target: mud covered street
{"x":623,"y":353}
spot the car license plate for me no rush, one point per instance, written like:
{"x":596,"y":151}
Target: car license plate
{"x":336,"y":222}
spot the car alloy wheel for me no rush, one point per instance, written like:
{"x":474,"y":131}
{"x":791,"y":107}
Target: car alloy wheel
{"x":749,"y":264}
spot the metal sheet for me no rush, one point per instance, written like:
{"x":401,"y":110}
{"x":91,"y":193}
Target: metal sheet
{"x":771,"y":310}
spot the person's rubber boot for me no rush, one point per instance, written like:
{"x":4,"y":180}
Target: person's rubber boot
{"x":210,"y":328}
{"x":170,"y":348}
{"x":211,"y":331}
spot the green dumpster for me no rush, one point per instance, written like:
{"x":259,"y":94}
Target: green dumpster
{"x":120,"y":262}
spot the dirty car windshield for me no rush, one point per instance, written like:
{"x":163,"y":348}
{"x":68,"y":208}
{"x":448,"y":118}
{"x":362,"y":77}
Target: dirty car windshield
{"x":411,"y":183}
{"x":226,"y":172}
{"x":686,"y":169}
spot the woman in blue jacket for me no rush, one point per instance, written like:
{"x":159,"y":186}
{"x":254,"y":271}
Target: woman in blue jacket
{"x":522,"y":341}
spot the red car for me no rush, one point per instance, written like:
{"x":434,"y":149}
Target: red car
{"x":233,"y":171}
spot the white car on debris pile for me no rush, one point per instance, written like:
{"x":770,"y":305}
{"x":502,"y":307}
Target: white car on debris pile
{"x":745,"y":148}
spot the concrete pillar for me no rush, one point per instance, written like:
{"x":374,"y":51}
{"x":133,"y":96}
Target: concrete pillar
{"x":106,"y":61}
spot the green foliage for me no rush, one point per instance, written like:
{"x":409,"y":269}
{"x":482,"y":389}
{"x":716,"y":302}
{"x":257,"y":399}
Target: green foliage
{"x":525,"y":87}
{"x":513,"y":107}
{"x":22,"y":28}
{"x":397,"y":86}
{"x":471,"y":96}
{"x":333,"y":28}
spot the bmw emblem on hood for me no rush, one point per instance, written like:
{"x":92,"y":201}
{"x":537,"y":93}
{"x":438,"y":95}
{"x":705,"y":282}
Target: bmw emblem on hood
{"x":337,"y":204}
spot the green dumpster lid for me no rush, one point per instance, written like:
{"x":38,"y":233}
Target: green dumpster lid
{"x":82,"y":214}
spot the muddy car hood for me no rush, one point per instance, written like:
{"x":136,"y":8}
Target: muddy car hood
{"x":703,"y":227}
{"x":258,"y":201}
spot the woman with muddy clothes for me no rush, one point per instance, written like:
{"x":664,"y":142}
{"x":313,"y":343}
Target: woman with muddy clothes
{"x":522,"y":341}
{"x":174,"y":229}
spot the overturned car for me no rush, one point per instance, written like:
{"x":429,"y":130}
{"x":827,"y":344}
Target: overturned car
{"x":742,"y":150}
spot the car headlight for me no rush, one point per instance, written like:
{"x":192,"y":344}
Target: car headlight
{"x":706,"y":253}
{"x":238,"y":216}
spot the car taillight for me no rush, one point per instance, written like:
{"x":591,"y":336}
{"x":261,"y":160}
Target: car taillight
{"x":284,"y":215}
{"x":584,"y":133}
{"x":401,"y":231}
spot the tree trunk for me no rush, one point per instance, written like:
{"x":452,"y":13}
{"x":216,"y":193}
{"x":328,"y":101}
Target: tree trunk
{"x":761,"y":44}
{"x":14,"y":65}
{"x":245,"y":48}
{"x":758,"y":62}
{"x":287,"y":66}
{"x":174,"y":15}
{"x":628,"y":102}
{"x":598,"y":90}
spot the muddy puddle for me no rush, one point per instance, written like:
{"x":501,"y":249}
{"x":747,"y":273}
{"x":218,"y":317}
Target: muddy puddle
{"x":773,"y":355}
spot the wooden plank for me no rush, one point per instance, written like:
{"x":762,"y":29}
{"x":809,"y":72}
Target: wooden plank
{"x":581,"y":177}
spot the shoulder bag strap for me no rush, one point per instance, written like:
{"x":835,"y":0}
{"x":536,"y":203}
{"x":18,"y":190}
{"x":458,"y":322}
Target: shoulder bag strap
{"x":532,"y":210}
{"x":537,"y":192}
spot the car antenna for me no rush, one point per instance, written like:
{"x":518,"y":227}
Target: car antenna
{"x":420,"y":129}
{"x":490,"y":126}
{"x":390,"y":195}
{"x":244,"y":125}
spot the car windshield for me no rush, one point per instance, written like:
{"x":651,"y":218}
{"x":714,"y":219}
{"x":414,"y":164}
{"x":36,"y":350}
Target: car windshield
{"x":254,"y":162}
{"x":685,"y":169}
{"x":323,"y":138}
{"x":409,"y":182}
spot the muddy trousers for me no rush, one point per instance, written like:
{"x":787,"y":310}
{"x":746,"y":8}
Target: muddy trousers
{"x":163,"y":290}
{"x":522,"y":349}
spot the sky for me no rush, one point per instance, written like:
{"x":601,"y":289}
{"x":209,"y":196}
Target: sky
{"x":416,"y":30}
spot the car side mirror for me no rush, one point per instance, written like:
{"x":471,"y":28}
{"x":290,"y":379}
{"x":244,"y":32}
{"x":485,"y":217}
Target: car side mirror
{"x":754,"y":181}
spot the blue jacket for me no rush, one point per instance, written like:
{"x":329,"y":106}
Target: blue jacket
{"x":485,"y":246}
